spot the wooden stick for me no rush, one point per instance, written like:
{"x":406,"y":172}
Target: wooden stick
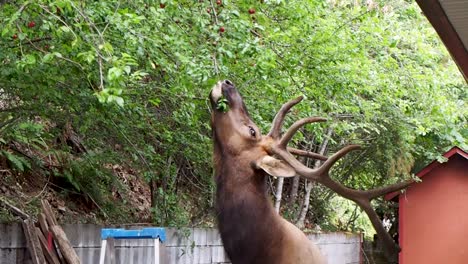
{"x":64,"y":245}
{"x":49,"y":214}
{"x":43,"y":224}
{"x":15,"y":210}
{"x":50,"y":221}
{"x":33,"y":243}
{"x":50,"y":254}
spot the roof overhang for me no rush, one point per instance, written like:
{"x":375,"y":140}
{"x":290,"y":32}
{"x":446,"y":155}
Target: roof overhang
{"x":450,"y":20}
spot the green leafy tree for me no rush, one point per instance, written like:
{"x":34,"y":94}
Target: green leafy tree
{"x":131,"y":79}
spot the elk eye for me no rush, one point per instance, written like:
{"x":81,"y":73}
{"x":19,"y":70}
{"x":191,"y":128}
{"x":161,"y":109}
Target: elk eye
{"x":252,"y":131}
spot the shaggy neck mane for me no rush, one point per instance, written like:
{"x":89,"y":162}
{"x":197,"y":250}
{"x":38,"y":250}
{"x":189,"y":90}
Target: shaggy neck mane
{"x":249,"y":226}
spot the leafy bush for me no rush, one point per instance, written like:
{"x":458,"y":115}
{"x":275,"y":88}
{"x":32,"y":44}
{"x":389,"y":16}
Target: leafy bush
{"x":132,"y":77}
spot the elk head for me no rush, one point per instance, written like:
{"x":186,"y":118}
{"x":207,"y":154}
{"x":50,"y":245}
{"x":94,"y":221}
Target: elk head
{"x":240,"y":147}
{"x":236,"y":135}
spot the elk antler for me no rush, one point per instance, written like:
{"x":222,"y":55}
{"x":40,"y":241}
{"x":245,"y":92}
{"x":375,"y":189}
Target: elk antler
{"x":321,"y":174}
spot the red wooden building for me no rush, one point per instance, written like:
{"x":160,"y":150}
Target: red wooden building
{"x":433,"y":214}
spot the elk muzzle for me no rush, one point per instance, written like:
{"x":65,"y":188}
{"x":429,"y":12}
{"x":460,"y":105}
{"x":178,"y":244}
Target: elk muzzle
{"x":224,"y":92}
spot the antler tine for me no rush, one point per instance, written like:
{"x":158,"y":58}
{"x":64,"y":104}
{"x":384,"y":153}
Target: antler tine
{"x":300,"y":168}
{"x":325,"y":168}
{"x":304,"y":171}
{"x":295,"y":127}
{"x":278,"y":147}
{"x":377,"y":192}
{"x":362,"y":197}
{"x":275,"y":130}
{"x":308,"y":154}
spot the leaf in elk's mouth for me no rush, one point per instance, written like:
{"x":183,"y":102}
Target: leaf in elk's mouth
{"x":222,"y":105}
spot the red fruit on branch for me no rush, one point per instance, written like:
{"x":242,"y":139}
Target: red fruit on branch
{"x":31,"y":24}
{"x":161,"y":5}
{"x":14,"y":36}
{"x":208,"y":10}
{"x":222,"y":29}
{"x":251,"y":11}
{"x":219,"y":2}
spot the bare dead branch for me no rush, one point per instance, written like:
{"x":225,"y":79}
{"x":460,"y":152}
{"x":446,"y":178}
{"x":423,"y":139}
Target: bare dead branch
{"x":15,"y":210}
{"x":30,"y":41}
{"x":46,"y":9}
{"x":96,"y":46}
{"x":214,"y":12}
{"x":23,"y":7}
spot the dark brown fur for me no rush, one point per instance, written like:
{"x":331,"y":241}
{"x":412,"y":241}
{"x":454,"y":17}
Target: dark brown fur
{"x":251,"y":231}
{"x":245,"y":214}
{"x":246,"y":220}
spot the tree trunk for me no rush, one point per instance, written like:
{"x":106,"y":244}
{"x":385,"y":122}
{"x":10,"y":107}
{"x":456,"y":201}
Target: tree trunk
{"x":279,"y":193}
{"x":305,"y":205}
{"x":309,"y":184}
{"x":294,"y":190}
{"x":295,"y":186}
{"x":152,"y":184}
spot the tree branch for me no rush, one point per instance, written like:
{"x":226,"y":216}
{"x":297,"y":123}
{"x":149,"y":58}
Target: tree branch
{"x":15,"y":210}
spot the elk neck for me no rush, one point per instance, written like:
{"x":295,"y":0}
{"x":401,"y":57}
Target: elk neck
{"x":249,"y":226}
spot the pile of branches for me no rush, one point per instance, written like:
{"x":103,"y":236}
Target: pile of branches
{"x":46,"y":240}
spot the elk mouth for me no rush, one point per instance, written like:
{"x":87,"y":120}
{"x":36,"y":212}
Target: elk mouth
{"x":223,"y":94}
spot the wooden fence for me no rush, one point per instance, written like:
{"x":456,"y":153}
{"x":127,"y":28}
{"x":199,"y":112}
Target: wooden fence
{"x":183,"y":246}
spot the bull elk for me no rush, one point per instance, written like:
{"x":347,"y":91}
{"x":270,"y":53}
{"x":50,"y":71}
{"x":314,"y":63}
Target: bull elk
{"x":251,"y":230}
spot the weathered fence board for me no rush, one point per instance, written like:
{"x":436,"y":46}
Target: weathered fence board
{"x":183,"y":246}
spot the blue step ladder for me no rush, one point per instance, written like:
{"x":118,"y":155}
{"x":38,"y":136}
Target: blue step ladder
{"x":157,"y":234}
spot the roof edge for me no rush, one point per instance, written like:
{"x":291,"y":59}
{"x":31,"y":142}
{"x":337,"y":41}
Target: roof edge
{"x":437,"y":16}
{"x":434,"y":164}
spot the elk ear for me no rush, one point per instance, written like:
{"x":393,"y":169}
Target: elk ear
{"x":275,"y":167}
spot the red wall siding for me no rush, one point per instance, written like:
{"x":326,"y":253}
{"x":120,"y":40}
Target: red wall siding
{"x":434,"y":216}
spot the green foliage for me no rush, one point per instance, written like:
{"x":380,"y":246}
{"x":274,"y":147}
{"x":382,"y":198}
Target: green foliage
{"x":170,"y":209}
{"x":222,"y":105}
{"x":19,"y":163}
{"x":132,"y":78}
{"x":87,"y":176}
{"x":5,"y":216}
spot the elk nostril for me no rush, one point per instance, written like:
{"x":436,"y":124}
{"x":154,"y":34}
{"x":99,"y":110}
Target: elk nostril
{"x":228,"y":82}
